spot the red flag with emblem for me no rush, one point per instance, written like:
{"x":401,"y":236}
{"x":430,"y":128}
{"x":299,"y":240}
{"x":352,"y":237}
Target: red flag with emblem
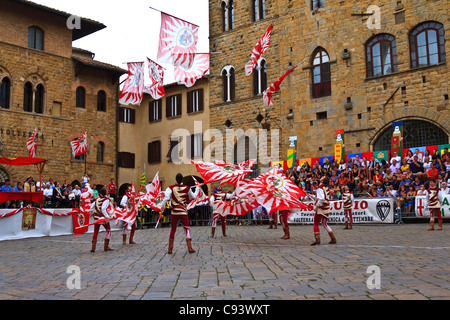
{"x":133,"y":88}
{"x":79,"y":146}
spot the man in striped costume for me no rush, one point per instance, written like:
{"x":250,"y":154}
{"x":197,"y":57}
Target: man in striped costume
{"x":348,"y":199}
{"x":99,"y":210}
{"x":179,"y":195}
{"x":323,"y":197}
{"x":434,"y":204}
{"x":219,"y":196}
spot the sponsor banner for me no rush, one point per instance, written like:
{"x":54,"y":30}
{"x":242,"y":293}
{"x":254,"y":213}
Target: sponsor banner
{"x":377,"y":210}
{"x":421,"y":209}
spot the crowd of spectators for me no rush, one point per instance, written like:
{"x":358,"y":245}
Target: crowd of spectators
{"x":401,"y":179}
{"x":56,"y":195}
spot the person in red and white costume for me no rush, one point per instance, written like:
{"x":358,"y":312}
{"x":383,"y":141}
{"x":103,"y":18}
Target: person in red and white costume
{"x":128,"y":202}
{"x":178,"y":195}
{"x":219,"y":196}
{"x":323,"y":197}
{"x":99,"y":210}
{"x":348,"y":200}
{"x":434,"y":204}
{"x":284,"y":215}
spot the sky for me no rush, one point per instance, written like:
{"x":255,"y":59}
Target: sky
{"x":132,"y":27}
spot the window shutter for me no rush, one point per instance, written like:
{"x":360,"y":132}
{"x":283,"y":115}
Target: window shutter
{"x":150,"y":112}
{"x":200,"y":100}
{"x":132,"y":116}
{"x":190,"y":102}
{"x":159,"y":106}
{"x":232,"y":85}
{"x":168,"y":107}
{"x":178,"y":104}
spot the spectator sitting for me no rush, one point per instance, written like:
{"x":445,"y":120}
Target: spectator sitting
{"x":48,"y":193}
{"x":57,"y":195}
{"x":398,"y":160}
{"x":77,"y":193}
{"x":404,"y":167}
{"x":432,"y":173}
{"x":404,"y":181}
{"x":395,"y":182}
{"x":416,"y":165}
{"x":377,"y":177}
{"x":388,"y":174}
{"x":422,"y":191}
{"x":417,"y":183}
{"x":6,"y":187}
{"x":394,"y":167}
{"x":18,"y":187}
{"x":445,"y":190}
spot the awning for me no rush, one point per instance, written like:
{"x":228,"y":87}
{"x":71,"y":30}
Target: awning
{"x":21,"y":161}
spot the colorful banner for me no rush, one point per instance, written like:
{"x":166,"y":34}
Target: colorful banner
{"x":374,"y":210}
{"x":397,"y":138}
{"x":291,"y":153}
{"x":381,"y":155}
{"x":80,"y":220}
{"x":421,"y":209}
{"x":441,"y":148}
{"x":339,"y":146}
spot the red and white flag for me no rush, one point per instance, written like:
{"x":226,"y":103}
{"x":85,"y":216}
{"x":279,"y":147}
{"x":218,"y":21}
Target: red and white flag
{"x":156,"y":86}
{"x":79,"y":146}
{"x":258,"y":51}
{"x":212,"y":172}
{"x":177,"y":41}
{"x":31,"y":144}
{"x":199,"y":68}
{"x":267,"y":95}
{"x":133,"y":88}
{"x":275,"y":191}
{"x":129,"y":215}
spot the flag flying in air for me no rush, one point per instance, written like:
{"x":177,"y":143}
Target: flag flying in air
{"x":79,"y":146}
{"x":258,"y":51}
{"x":31,"y":144}
{"x":177,"y":41}
{"x":212,"y":172}
{"x":133,"y":88}
{"x":188,"y":76}
{"x":267,"y":95}
{"x":156,"y":86}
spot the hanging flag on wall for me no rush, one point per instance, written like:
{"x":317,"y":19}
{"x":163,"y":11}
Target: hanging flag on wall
{"x":291,"y":153}
{"x":267,"y":95}
{"x":188,"y":76}
{"x":177,"y":41}
{"x":156,"y":86}
{"x":258,"y":51}
{"x":339,"y":145}
{"x":31,"y":144}
{"x":397,"y":137}
{"x":133,"y":88}
{"x":79,"y":146}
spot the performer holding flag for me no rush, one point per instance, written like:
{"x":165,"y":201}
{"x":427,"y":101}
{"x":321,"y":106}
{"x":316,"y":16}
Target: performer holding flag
{"x":323,"y":198}
{"x":128,"y":202}
{"x":99,"y":210}
{"x":219,"y":196}
{"x":179,"y":195}
{"x":348,"y":200}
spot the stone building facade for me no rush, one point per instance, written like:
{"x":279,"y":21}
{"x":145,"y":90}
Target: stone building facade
{"x":363,"y":66}
{"x":60,"y":90}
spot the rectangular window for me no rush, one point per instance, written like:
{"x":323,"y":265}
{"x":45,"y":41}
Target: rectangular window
{"x":321,"y":115}
{"x":195,"y":101}
{"x":173,"y":106}
{"x":126,"y":160}
{"x":196,"y":146}
{"x":127,"y":115}
{"x":155,"y":110}
{"x":154,"y":152}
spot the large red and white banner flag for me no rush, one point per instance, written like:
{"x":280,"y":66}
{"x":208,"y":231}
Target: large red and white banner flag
{"x":267,"y":95}
{"x":199,"y":68}
{"x":156,"y":75}
{"x":212,"y":172}
{"x":133,"y":88}
{"x":31,"y":144}
{"x":258,"y":51}
{"x":79,"y":146}
{"x":177,"y":41}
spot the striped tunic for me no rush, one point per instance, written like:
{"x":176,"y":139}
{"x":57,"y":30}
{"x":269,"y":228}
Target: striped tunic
{"x":433,"y":198}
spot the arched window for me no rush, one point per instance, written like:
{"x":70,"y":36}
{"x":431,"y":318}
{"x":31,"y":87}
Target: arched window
{"x":5,"y":93}
{"x":101,"y":101}
{"x":416,"y":133}
{"x":259,"y":9}
{"x":100,"y":151}
{"x":35,"y":38}
{"x":228,"y":82}
{"x":427,"y":44}
{"x":321,"y":74}
{"x":81,"y":98}
{"x":39,"y":99}
{"x":28,"y":97}
{"x":381,"y":55}
{"x":260,"y":77}
{"x":227,"y":15}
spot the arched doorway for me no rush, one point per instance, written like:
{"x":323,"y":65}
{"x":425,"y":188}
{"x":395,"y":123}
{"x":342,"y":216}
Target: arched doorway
{"x":416,"y":133}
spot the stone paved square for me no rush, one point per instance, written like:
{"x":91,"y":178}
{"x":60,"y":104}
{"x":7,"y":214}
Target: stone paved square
{"x":252,"y":263}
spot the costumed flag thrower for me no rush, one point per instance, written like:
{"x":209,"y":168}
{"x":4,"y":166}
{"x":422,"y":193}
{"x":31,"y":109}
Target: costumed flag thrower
{"x":133,"y":88}
{"x":177,"y":41}
{"x":156,"y":86}
{"x":258,"y":51}
{"x":31,"y":144}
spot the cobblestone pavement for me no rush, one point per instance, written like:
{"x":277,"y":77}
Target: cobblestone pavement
{"x":251,"y":263}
